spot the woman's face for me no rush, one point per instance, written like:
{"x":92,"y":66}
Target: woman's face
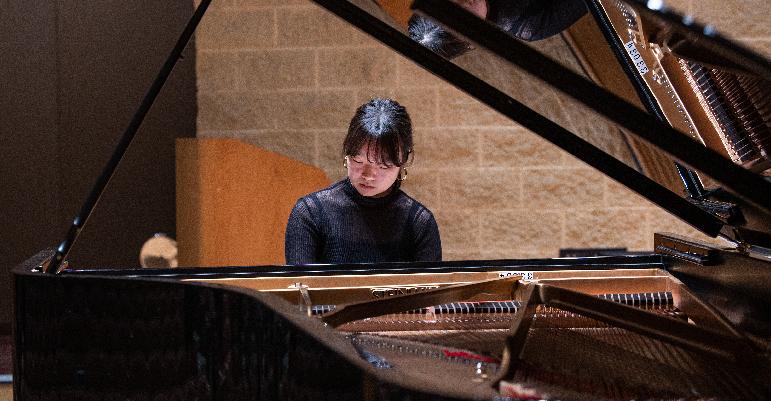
{"x":369,"y":177}
{"x":477,"y":7}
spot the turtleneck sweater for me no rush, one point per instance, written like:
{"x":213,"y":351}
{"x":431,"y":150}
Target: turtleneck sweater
{"x":339,"y":225}
{"x":535,"y":19}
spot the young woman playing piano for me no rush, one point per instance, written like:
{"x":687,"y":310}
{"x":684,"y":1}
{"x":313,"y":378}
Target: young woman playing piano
{"x":366,"y":218}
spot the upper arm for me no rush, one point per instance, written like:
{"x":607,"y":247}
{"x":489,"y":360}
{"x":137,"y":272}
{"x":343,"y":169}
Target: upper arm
{"x":302,"y":238}
{"x":428,"y":244}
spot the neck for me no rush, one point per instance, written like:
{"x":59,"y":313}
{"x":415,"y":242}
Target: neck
{"x":377,"y":200}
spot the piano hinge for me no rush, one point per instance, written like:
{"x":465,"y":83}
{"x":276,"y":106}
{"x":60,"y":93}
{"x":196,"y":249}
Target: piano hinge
{"x":728,"y":212}
{"x":684,"y":249}
{"x":45,"y":266}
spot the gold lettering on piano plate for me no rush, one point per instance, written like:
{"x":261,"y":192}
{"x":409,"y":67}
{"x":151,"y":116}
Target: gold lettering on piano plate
{"x":383,"y":292}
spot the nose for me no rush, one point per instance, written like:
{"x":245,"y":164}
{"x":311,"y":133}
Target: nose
{"x":368,"y":172}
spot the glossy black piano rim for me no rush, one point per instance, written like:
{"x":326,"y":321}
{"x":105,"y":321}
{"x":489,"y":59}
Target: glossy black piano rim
{"x":585,"y":263}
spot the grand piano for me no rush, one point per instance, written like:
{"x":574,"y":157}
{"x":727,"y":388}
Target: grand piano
{"x":689,"y":321}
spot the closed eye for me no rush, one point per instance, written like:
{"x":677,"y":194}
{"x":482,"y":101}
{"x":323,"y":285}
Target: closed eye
{"x":360,"y":160}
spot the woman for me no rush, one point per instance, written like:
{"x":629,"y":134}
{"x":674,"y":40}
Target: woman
{"x":366,"y":218}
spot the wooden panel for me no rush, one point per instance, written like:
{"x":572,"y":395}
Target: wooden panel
{"x":399,"y":10}
{"x":233,"y":201}
{"x":6,"y":392}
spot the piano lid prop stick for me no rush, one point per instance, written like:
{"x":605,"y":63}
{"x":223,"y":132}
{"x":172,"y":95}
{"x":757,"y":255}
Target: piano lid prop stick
{"x":55,"y":264}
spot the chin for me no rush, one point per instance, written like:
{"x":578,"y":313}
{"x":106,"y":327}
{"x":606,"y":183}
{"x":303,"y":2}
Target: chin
{"x":368,"y":191}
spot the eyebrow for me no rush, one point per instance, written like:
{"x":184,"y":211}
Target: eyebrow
{"x":374,"y":160}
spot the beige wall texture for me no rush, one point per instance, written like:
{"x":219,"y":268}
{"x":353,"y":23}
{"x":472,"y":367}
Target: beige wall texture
{"x":287,"y":75}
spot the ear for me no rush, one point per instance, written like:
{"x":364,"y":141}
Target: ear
{"x":402,"y":174}
{"x":410,"y":158}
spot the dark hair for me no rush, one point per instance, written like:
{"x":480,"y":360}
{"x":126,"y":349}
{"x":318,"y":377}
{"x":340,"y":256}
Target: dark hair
{"x":385,"y":125}
{"x":433,"y":36}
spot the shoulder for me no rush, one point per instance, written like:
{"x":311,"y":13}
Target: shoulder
{"x":322,"y":195}
{"x":419,"y":211}
{"x":333,"y":189}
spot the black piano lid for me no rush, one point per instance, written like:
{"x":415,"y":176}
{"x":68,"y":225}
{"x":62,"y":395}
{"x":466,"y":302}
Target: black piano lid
{"x":751,"y":192}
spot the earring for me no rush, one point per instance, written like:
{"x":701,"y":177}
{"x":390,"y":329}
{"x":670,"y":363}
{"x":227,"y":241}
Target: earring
{"x":402,"y":174}
{"x":345,"y":162}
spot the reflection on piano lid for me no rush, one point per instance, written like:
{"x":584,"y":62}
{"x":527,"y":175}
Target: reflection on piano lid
{"x":736,"y":202}
{"x":731,"y":112}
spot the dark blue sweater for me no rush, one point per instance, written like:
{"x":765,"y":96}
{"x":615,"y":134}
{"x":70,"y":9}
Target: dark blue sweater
{"x":339,"y":225}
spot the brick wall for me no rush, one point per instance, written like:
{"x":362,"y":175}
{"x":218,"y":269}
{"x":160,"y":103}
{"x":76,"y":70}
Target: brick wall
{"x":287,"y":76}
{"x":745,"y":21}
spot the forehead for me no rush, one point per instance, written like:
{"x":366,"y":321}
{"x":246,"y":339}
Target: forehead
{"x":369,"y":147}
{"x":373,"y":155}
{"x":374,"y":151}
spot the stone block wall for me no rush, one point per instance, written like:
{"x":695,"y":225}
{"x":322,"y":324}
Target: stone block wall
{"x":286,"y":75}
{"x":745,"y":21}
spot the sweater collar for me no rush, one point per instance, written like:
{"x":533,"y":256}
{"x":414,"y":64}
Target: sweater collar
{"x":368,"y":201}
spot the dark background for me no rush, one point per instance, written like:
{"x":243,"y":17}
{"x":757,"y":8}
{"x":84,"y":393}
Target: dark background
{"x":72,"y":74}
